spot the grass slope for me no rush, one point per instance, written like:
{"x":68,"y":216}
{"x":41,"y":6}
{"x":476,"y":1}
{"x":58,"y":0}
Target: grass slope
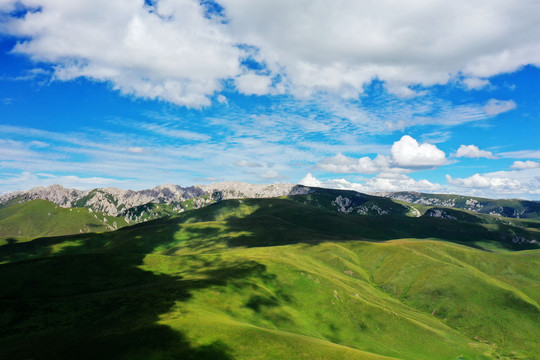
{"x":271,"y":279}
{"x":512,"y":208}
{"x":351,"y":202}
{"x":38,"y":218}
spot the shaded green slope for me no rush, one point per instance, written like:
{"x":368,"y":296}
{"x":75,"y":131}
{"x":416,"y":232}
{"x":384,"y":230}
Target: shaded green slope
{"x":512,"y":208}
{"x":350,"y":202}
{"x":267,"y":279}
{"x":38,"y":218}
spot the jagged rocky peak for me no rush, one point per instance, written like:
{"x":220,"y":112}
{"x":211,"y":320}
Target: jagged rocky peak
{"x":169,"y":187}
{"x":114,"y":201}
{"x":235,"y":189}
{"x":55,"y":193}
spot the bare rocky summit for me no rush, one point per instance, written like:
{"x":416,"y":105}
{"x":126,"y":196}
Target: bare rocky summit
{"x":235,"y":190}
{"x":115,"y":202}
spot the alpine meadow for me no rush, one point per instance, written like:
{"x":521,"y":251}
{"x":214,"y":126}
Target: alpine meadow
{"x":253,"y":180}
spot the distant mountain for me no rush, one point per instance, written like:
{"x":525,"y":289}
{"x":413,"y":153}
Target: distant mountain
{"x":39,"y":218}
{"x":511,"y":208}
{"x":118,"y":202}
{"x":351,"y":202}
{"x":168,"y":199}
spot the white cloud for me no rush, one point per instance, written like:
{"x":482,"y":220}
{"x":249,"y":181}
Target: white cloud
{"x":436,"y":137}
{"x":135,"y":149}
{"x":400,"y":182}
{"x":310,"y":180}
{"x":339,"y":46}
{"x":384,"y":182}
{"x":222,"y":99}
{"x":26,"y":180}
{"x":482,"y":181}
{"x":403,"y":91}
{"x":245,"y":163}
{"x":173,"y":132}
{"x":475,"y":83}
{"x":252,"y":84}
{"x":270,"y":174}
{"x":169,"y":51}
{"x":7,"y":5}
{"x":344,"y":164}
{"x":495,"y":107}
{"x":522,"y":165}
{"x":472,"y":151}
{"x":523,"y":182}
{"x":533,"y":154}
{"x":172,"y":51}
{"x":408,"y":153}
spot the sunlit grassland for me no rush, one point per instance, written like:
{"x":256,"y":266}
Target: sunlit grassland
{"x":269,"y":279}
{"x":39,"y":218}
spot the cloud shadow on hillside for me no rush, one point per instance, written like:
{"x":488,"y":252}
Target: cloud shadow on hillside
{"x":91,"y":300}
{"x":283,"y":222}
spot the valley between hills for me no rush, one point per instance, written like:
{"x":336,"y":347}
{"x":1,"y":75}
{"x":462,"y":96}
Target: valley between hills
{"x":241,"y":271}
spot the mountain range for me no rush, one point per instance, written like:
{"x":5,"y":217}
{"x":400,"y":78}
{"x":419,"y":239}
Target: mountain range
{"x":240,"y":271}
{"x":118,"y":202}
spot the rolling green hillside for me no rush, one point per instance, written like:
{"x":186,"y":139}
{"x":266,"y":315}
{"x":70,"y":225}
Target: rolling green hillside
{"x":511,"y":208}
{"x":38,"y":218}
{"x":274,"y":279}
{"x":351,"y":202}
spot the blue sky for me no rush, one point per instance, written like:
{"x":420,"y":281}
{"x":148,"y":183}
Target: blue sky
{"x":432,"y":96}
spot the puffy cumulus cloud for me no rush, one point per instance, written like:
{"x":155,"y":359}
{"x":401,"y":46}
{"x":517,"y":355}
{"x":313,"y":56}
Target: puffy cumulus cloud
{"x":384,"y":182}
{"x":310,"y":180}
{"x":522,"y":165}
{"x":472,"y":151}
{"x":181,"y":51}
{"x":169,"y":50}
{"x":507,"y":185}
{"x":523,"y":182}
{"x":400,"y":182}
{"x":344,"y":164}
{"x":339,"y":46}
{"x":408,"y":153}
{"x":495,"y":107}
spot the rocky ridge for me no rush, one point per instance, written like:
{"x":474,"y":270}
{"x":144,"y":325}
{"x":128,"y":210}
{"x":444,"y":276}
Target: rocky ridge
{"x":118,"y":202}
{"x":512,"y":208}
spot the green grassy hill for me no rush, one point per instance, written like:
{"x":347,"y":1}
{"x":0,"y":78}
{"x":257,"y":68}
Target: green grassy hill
{"x":511,"y":208}
{"x":274,"y":279}
{"x":351,"y":202}
{"x":38,"y":218}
